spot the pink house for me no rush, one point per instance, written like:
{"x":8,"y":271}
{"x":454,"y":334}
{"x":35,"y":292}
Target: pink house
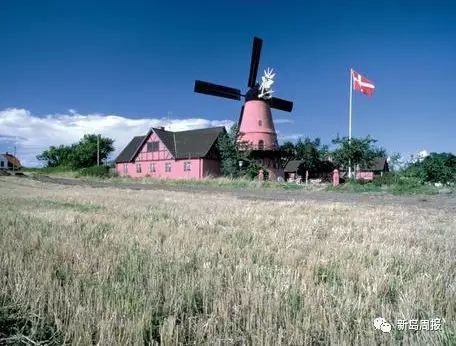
{"x":175,"y":155}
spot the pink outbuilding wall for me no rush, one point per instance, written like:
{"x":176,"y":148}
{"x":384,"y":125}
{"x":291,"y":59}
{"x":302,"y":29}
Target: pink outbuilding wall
{"x":365,"y":175}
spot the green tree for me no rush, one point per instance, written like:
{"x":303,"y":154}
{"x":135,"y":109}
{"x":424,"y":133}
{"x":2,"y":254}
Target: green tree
{"x":435,"y":168}
{"x":312,"y":152}
{"x":228,"y":153}
{"x":357,"y":151}
{"x":85,"y":151}
{"x":56,"y":156}
{"x":287,"y":152}
{"x":79,"y":155}
{"x":230,"y":156}
{"x":395,"y":162}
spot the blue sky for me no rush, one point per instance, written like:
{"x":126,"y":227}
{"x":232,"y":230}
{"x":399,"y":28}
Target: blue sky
{"x":118,"y":67}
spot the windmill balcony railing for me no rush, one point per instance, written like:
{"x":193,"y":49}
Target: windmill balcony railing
{"x":258,"y":147}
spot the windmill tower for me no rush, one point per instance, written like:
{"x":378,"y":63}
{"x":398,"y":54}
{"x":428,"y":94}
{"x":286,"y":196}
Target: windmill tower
{"x":256,"y":127}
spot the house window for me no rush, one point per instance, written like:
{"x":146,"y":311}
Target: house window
{"x":260,"y":123}
{"x":260,"y":144}
{"x":168,"y":167}
{"x":125,"y":168}
{"x":187,"y":166}
{"x":138,"y":168}
{"x":152,"y":146}
{"x":152,"y":168}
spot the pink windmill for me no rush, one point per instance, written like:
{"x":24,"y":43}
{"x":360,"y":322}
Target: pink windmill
{"x":256,"y":127}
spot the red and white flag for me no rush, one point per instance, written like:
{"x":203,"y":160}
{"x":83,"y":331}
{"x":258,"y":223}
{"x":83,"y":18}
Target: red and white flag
{"x":362,"y":84}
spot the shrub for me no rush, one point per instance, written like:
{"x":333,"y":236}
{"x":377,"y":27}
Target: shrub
{"x":390,"y":178}
{"x":252,"y":171}
{"x":49,"y":170}
{"x":411,"y":185}
{"x":355,"y":185}
{"x":95,"y":171}
{"x":435,"y":168}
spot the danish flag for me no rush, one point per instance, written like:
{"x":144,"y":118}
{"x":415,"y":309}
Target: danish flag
{"x":362,"y":84}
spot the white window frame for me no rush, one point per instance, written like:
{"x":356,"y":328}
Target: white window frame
{"x":187,"y":166}
{"x":125,"y":167}
{"x":152,"y":168}
{"x":168,"y":167}
{"x":138,"y":168}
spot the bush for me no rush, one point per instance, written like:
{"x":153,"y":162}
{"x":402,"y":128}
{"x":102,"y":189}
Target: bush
{"x":435,"y":168}
{"x":391,"y":183}
{"x":78,"y":155}
{"x":95,"y":171}
{"x":355,"y":185}
{"x":410,"y":185}
{"x":252,"y":171}
{"x":49,"y":170}
{"x":390,"y":178}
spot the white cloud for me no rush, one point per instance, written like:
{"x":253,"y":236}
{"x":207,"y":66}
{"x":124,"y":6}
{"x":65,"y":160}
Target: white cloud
{"x":31,"y":134}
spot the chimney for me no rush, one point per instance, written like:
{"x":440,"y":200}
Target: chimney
{"x":161,"y":128}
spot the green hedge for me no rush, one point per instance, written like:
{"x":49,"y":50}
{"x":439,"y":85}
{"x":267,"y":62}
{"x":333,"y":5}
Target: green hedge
{"x":95,"y":171}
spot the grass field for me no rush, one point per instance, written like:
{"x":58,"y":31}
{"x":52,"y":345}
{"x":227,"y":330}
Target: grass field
{"x":389,"y":184}
{"x":241,"y":183}
{"x":81,"y":266}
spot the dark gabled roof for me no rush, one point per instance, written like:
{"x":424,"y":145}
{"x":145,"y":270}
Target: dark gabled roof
{"x":167,"y":138}
{"x":181,"y":145}
{"x":195,"y":143}
{"x":129,"y":151}
{"x":293,"y":165}
{"x":378,"y":164}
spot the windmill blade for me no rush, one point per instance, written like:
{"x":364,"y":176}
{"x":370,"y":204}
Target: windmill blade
{"x":217,"y":90}
{"x":255,"y":61}
{"x":281,"y":104}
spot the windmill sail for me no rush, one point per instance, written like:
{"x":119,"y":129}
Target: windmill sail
{"x":281,"y":104}
{"x":255,"y":61}
{"x":217,"y":90}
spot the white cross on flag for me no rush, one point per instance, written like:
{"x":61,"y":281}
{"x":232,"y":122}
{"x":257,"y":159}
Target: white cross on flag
{"x":362,"y":84}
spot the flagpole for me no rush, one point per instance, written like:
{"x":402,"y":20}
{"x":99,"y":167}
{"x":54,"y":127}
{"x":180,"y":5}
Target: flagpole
{"x":350,"y":119}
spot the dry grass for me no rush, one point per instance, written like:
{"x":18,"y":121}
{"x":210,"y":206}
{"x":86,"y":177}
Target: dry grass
{"x":119,"y":267}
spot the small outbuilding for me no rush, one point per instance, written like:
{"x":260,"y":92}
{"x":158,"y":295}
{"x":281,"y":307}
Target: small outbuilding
{"x":9,"y":162}
{"x":295,"y":170}
{"x":377,"y":167}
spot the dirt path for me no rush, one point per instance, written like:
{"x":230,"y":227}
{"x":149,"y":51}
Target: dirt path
{"x":447,"y":202}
